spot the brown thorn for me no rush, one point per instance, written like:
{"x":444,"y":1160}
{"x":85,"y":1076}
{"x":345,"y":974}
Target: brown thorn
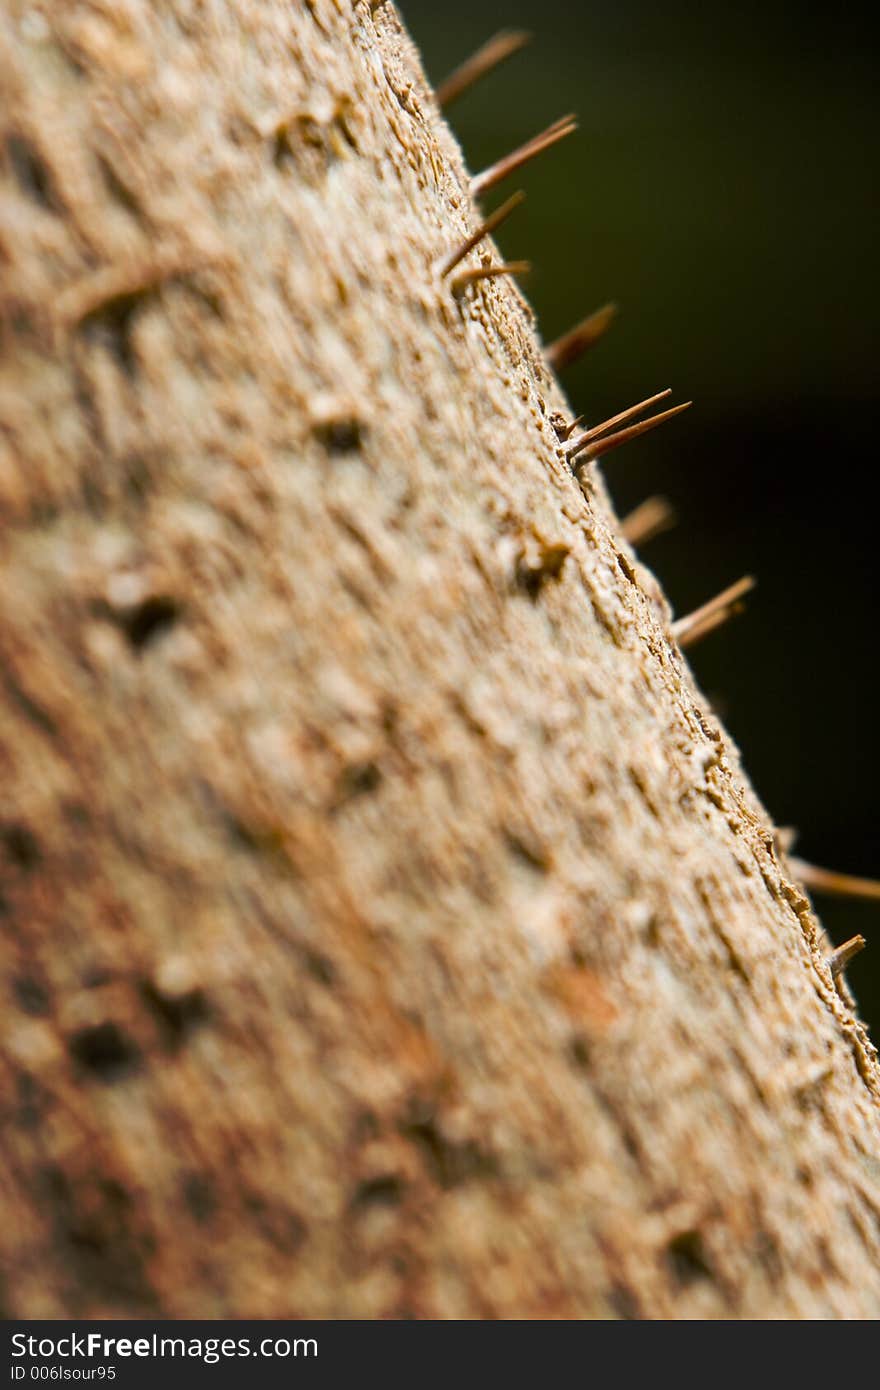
{"x":631,"y":411}
{"x":493,"y":52}
{"x":491,"y":223}
{"x":838,"y":885}
{"x":487,"y":272}
{"x":614,"y":441}
{"x":711,"y":615}
{"x":840,"y":959}
{"x":581,"y":338}
{"x":710,"y":625}
{"x":496,"y":172}
{"x":649,"y":519}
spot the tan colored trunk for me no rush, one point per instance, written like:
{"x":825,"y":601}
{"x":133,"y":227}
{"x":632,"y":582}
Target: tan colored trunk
{"x":388,"y":926}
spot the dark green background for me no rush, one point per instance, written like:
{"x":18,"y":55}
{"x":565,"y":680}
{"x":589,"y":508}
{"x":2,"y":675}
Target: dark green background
{"x":722,"y":189}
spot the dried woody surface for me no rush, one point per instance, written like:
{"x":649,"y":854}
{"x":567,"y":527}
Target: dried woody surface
{"x":389,"y":928}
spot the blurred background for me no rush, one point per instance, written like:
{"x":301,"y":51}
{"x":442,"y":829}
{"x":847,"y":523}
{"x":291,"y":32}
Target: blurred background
{"x":722,"y":191}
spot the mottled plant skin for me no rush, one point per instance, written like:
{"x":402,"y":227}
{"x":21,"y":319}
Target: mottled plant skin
{"x":389,"y":926}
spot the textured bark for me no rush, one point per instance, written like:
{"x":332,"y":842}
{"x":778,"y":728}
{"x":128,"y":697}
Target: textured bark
{"x":388,"y":927}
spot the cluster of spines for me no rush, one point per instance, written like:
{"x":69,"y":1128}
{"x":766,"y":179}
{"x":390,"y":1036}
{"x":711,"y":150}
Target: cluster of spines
{"x":655,"y":514}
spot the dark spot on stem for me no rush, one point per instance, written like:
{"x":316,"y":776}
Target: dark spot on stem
{"x":118,"y":189}
{"x":178,"y":1015}
{"x":688,"y":1259}
{"x":96,"y":1231}
{"x":282,"y":150}
{"x":148,"y":620}
{"x":31,"y":172}
{"x":111,"y":323}
{"x":105,"y":1052}
{"x":199,"y":1195}
{"x":30,"y":996}
{"x":360,"y":779}
{"x":384,"y":1191}
{"x":340,"y":436}
{"x":624,"y":1303}
{"x":320,"y":967}
{"x":450,"y":1162}
{"x":34,"y":712}
{"x":20,"y":845}
{"x":527,"y":848}
{"x":533,"y":572}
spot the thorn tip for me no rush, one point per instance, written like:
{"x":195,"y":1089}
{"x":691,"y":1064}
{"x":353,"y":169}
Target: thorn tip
{"x":697,"y":625}
{"x":839,"y":959}
{"x":487,"y":57}
{"x":649,"y":519}
{"x":578,"y":340}
{"x":588,"y":436}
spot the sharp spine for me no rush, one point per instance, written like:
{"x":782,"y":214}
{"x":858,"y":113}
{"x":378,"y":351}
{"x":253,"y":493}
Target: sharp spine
{"x":697,"y":625}
{"x":503,"y":167}
{"x":486,"y":227}
{"x":587,"y":436}
{"x":489,"y":56}
{"x":578,"y":340}
{"x":840,"y":959}
{"x":649,"y":519}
